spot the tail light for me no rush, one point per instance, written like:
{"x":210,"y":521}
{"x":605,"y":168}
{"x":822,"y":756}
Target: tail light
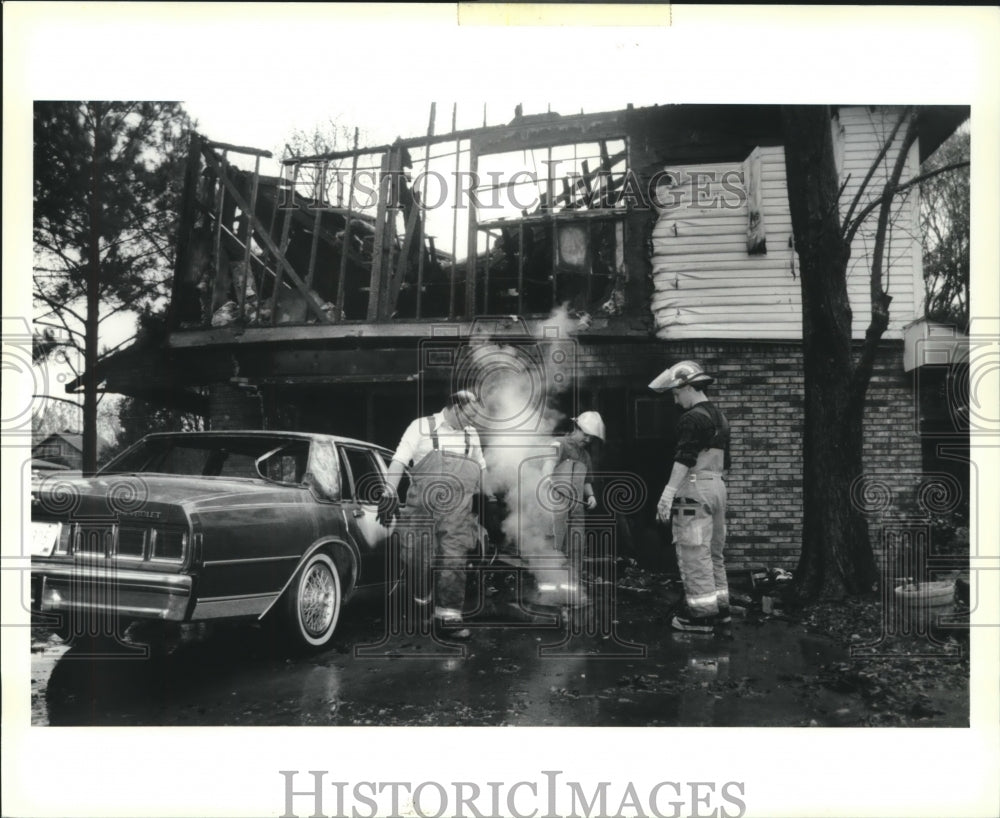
{"x":125,"y":542}
{"x":168,"y":545}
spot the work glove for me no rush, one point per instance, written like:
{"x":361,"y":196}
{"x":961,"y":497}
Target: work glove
{"x":591,"y":503}
{"x":665,"y":504}
{"x":388,"y":506}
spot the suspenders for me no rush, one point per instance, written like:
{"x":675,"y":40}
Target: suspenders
{"x":436,"y":443}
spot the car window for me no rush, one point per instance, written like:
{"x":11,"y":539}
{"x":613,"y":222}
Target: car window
{"x":323,"y":471}
{"x":285,"y":463}
{"x":172,"y":460}
{"x":235,"y":464}
{"x":366,"y":475}
{"x":272,"y":458}
{"x":347,"y":490}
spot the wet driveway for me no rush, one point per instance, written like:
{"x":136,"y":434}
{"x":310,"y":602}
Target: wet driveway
{"x":622,"y":666}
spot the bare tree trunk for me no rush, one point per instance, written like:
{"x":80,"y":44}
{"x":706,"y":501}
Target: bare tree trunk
{"x":93,"y":306}
{"x":836,"y":556}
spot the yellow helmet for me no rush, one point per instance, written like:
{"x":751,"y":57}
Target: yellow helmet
{"x":591,"y":423}
{"x":684,"y":373}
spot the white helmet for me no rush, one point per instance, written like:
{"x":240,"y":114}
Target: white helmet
{"x":591,"y":423}
{"x":685,"y":373}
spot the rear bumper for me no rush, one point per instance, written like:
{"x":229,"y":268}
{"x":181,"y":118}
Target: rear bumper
{"x":116,"y":591}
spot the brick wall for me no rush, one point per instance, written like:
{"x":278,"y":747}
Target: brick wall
{"x":230,"y":407}
{"x":759,"y":386}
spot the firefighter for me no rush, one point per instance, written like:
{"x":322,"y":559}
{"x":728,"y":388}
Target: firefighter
{"x":694,"y":499}
{"x":569,"y":474}
{"x":447,"y":473}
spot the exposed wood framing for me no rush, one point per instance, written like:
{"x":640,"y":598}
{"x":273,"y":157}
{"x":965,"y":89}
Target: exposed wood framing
{"x":470,"y":280}
{"x":265,"y":238}
{"x":218,"y":293}
{"x":382,"y":217}
{"x":545,"y":132}
{"x":546,"y":218}
{"x":345,"y":251}
{"x":454,"y":216}
{"x":396,"y":282}
{"x":317,"y":223}
{"x":282,"y":249}
{"x":365,"y":332}
{"x":520,"y":268}
{"x":225,"y":146}
{"x":248,"y":239}
{"x":423,"y":202}
{"x":550,"y":131}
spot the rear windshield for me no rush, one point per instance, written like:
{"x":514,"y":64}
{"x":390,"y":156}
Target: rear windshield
{"x":277,"y":459}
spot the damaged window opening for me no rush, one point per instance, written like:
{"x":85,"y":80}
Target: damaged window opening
{"x":395,"y":235}
{"x":555,"y":232}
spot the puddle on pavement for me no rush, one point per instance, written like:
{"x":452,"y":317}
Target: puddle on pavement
{"x":500,"y":676}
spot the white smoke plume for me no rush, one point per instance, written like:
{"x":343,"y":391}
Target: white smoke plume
{"x":516,"y":378}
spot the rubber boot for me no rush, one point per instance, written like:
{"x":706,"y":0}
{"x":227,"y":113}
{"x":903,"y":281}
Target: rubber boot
{"x":724,"y":623}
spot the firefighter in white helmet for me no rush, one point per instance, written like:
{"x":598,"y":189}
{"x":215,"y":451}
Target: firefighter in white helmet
{"x":569,"y":471}
{"x":574,"y":455}
{"x":694,"y":499}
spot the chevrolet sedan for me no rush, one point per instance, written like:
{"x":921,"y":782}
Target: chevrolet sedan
{"x":183,"y":527}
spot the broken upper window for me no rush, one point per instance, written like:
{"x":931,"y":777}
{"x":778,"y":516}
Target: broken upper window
{"x":585,"y":176}
{"x":551,"y":229}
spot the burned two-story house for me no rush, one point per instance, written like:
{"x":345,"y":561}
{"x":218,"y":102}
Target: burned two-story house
{"x":353,"y":291}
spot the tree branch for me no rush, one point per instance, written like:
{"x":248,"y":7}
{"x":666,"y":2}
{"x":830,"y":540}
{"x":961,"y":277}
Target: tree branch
{"x":131,"y":305}
{"x":880,"y":299}
{"x":63,"y":326}
{"x":118,"y":346}
{"x":152,"y":240}
{"x":843,"y":185}
{"x":70,"y":263}
{"x":62,"y":400}
{"x":874,"y":166}
{"x":57,"y":307}
{"x":916,"y":180}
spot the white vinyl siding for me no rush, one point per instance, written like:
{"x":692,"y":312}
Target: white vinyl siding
{"x":706,"y":285}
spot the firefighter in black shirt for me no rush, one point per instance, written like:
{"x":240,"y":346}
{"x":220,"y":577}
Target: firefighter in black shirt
{"x":694,"y":499}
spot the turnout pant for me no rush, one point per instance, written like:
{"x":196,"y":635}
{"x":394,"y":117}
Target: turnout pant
{"x":439,"y":529}
{"x":699,"y":531}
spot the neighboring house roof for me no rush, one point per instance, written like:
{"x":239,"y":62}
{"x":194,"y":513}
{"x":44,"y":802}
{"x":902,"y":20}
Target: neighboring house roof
{"x":74,"y":440}
{"x":46,"y":465}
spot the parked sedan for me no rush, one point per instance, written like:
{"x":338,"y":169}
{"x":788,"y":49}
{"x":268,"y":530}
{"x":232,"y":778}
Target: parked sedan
{"x":196,"y":526}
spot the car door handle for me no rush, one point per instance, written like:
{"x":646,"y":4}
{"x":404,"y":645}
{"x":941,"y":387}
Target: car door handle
{"x":358,"y":512}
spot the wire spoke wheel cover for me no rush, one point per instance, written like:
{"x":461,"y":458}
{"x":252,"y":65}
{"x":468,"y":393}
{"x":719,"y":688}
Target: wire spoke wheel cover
{"x":316,"y":601}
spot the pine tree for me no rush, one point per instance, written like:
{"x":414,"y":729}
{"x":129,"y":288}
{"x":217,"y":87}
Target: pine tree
{"x":107,"y":177}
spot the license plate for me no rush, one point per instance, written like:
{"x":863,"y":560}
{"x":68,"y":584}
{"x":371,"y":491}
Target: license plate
{"x":44,"y":537}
